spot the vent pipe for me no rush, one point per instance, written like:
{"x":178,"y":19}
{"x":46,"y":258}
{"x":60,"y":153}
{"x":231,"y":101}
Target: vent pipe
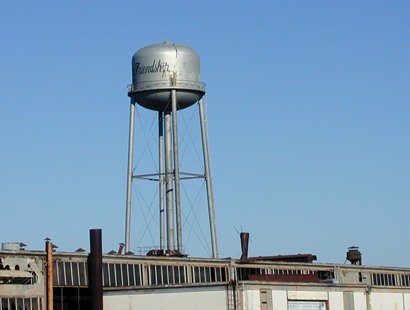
{"x":50,"y":285}
{"x":244,"y":244}
{"x":95,"y":269}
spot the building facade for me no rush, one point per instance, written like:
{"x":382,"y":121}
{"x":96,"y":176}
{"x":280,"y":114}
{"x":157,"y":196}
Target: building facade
{"x":148,"y":282}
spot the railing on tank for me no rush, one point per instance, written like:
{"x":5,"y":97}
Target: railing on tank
{"x":180,"y":84}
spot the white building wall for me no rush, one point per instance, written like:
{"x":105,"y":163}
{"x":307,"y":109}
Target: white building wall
{"x":251,"y":300}
{"x":383,"y":301}
{"x":336,"y":301}
{"x":406,"y":300}
{"x":195,"y":300}
{"x":280,"y":300}
{"x":360,"y":301}
{"x":307,"y":295}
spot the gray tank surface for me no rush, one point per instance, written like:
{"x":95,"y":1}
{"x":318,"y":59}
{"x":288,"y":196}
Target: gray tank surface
{"x":159,"y":68}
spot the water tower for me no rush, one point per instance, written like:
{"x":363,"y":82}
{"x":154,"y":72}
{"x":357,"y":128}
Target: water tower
{"x":165,"y":79}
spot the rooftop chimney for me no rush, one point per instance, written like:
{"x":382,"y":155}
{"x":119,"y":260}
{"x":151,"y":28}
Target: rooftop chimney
{"x":244,"y":244}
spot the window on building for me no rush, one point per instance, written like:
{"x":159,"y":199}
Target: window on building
{"x":306,"y":305}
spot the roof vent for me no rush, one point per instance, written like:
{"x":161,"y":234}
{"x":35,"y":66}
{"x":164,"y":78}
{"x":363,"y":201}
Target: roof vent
{"x":244,"y":244}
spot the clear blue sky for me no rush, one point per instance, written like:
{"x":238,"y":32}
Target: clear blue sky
{"x":308,"y":116}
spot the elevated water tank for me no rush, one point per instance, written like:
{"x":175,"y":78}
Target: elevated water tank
{"x":354,"y":256}
{"x":159,"y":68}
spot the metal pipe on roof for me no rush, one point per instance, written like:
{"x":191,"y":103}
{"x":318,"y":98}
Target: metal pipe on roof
{"x":244,"y":244}
{"x":49,"y":251}
{"x":95,"y":269}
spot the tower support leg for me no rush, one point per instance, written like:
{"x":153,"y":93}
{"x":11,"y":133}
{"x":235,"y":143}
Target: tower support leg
{"x":129,"y":176}
{"x":208,"y":180}
{"x":176,"y":170}
{"x":169,"y":182}
{"x":161,"y":179}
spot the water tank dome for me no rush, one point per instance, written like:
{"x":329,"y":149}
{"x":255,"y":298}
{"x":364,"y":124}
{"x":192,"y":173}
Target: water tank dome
{"x":159,"y":68}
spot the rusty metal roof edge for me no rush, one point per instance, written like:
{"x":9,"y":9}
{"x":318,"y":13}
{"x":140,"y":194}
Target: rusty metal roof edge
{"x":229,"y":262}
{"x":300,"y":258}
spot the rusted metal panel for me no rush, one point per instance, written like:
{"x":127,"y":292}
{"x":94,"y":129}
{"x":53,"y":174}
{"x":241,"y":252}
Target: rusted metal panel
{"x":294,"y":258}
{"x":291,"y":278}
